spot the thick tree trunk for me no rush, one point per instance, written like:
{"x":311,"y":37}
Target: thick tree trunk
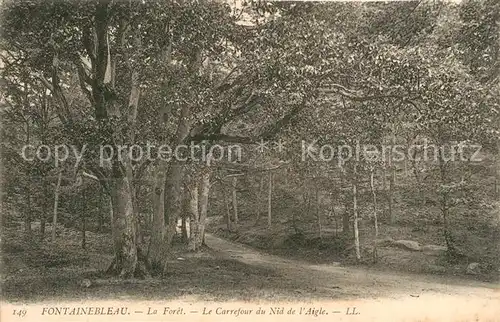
{"x":173,"y":200}
{"x":157,"y":247}
{"x":355,"y":213}
{"x":56,"y":204}
{"x":173,"y":180}
{"x":123,"y":227}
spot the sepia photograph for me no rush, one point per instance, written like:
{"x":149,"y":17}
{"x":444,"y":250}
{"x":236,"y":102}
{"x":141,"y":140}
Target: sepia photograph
{"x":223,"y":160}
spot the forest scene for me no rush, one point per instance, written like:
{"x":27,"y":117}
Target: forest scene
{"x":249,"y":149}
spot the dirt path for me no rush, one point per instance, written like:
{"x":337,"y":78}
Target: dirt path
{"x":353,"y":282}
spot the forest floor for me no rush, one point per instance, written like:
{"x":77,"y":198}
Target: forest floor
{"x":476,"y":233}
{"x":223,"y":271}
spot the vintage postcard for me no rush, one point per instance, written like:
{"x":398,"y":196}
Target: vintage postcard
{"x":242,"y":160}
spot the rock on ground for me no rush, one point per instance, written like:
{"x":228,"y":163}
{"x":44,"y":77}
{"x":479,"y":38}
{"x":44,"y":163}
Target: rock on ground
{"x":408,"y":244}
{"x":473,"y":269}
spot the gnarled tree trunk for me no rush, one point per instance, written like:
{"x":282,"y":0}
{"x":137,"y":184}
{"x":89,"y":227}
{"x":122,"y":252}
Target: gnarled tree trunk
{"x":123,"y":227}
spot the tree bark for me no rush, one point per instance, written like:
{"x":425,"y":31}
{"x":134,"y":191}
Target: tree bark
{"x":43,"y":216}
{"x":28,"y":213}
{"x":391,"y":191}
{"x":392,"y":178}
{"x":318,"y":214}
{"x":156,"y":252}
{"x":27,"y":216}
{"x":123,"y":227}
{"x":193,"y":218}
{"x":346,"y":227}
{"x":235,"y":202}
{"x":497,"y":172}
{"x":260,"y":197}
{"x":416,"y":174}
{"x":375,"y":217}
{"x":355,"y":213}
{"x":226,"y":203}
{"x":444,"y":205}
{"x":203,"y":200}
{"x":184,"y":232}
{"x":56,"y":204}
{"x":269,"y":201}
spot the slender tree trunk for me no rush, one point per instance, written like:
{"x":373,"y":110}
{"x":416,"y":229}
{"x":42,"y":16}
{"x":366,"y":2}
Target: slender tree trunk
{"x":43,"y":216}
{"x":392,"y":178}
{"x":269,"y":201}
{"x":56,"y":204}
{"x":28,"y":213}
{"x":336,"y":221}
{"x":375,"y":217}
{"x":497,"y":173}
{"x":235,"y":202}
{"x":27,"y":216}
{"x":346,"y":227}
{"x":390,"y":195}
{"x":416,"y":174}
{"x":384,"y":176}
{"x":193,"y":219}
{"x":203,"y":200}
{"x":260,"y":198}
{"x":355,"y":212}
{"x":444,"y":205}
{"x":228,"y":209}
{"x":101,"y":219}
{"x":318,"y":214}
{"x":84,"y":231}
{"x":83,"y":217}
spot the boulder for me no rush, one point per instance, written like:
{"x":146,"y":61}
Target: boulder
{"x":408,"y":244}
{"x":387,"y":241}
{"x":434,"y":249}
{"x":473,"y":269}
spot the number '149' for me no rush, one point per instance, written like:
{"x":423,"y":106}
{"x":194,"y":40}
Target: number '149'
{"x":21,"y":313}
